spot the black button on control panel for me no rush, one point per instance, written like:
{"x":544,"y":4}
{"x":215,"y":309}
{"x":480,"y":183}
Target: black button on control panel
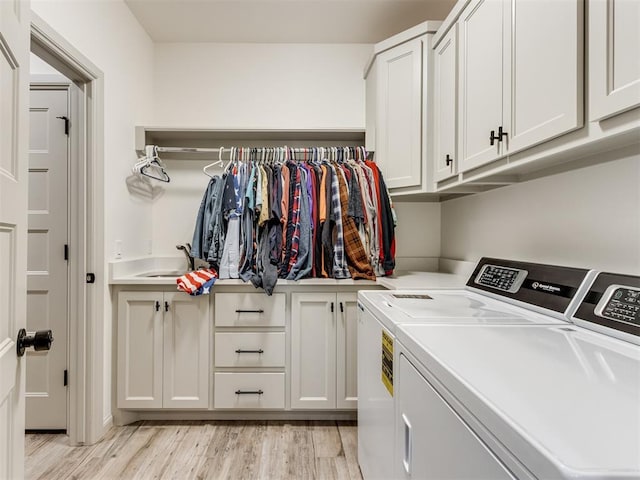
{"x":501,"y":278}
{"x":620,"y":303}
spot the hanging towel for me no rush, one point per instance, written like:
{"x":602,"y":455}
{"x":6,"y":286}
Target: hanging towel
{"x":198,"y":282}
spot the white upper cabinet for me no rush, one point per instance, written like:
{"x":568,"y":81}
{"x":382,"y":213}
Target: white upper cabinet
{"x":444,"y":105}
{"x":398,"y":114}
{"x":614,"y":57}
{"x":481,"y":76}
{"x":520,"y":76}
{"x":543,"y":53}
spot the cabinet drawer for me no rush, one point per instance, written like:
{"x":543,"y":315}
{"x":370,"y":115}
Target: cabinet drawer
{"x":229,"y":388}
{"x":249,"y":310}
{"x":260,"y":349}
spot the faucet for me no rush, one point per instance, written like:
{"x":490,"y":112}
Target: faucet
{"x":192,"y":263}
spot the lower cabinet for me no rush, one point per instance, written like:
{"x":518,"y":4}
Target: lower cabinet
{"x":432,"y":438}
{"x":163,"y":350}
{"x":323,"y":351}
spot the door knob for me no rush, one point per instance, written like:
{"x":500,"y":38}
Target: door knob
{"x":41,"y":340}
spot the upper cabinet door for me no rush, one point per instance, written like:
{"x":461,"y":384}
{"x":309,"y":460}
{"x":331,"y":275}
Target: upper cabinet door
{"x":614,"y":57}
{"x":481,"y":76}
{"x":543,"y":67}
{"x":399,"y":107}
{"x":444,"y":102}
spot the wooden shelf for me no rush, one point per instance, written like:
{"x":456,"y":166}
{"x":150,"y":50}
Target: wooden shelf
{"x":212,"y":138}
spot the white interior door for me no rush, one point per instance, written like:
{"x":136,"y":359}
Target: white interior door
{"x":14,"y":101}
{"x":47,"y":268}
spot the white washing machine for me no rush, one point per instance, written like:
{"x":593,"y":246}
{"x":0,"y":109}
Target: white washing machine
{"x":499,"y":292}
{"x":515,"y":401}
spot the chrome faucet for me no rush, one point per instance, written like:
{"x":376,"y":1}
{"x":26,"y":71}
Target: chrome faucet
{"x":192,"y":262}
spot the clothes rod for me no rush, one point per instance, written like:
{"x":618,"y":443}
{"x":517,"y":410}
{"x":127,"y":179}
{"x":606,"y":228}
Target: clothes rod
{"x":228,"y":149}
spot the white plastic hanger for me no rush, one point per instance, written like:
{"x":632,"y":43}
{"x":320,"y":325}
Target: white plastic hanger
{"x":214,"y":164}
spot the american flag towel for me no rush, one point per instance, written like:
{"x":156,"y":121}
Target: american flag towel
{"x":198,"y":282}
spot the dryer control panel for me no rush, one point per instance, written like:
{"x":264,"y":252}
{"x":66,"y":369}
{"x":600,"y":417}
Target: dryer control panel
{"x":612,"y":306}
{"x":501,"y":278}
{"x":550,"y":287}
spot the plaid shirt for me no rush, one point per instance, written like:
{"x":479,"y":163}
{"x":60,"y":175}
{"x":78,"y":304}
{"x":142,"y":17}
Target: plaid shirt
{"x":357,"y":257}
{"x":295,"y":220}
{"x":339,"y":268}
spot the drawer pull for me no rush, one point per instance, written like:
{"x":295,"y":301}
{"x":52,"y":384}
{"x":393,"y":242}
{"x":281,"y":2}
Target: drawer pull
{"x":249,"y":351}
{"x":249,"y":392}
{"x":250,"y":311}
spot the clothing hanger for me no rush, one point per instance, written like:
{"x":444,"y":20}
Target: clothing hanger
{"x":156,"y":171}
{"x":151,"y":166}
{"x":234,"y":151}
{"x":216,"y":163}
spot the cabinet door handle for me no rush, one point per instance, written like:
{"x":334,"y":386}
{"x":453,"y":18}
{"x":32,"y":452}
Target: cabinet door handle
{"x":493,"y":137}
{"x":250,"y":311}
{"x":331,"y":307}
{"x":166,"y":306}
{"x":449,"y":160}
{"x":249,"y":351}
{"x":341,"y":308}
{"x":408,"y":440}
{"x":157,"y":306}
{"x":249,"y":392}
{"x":501,"y":133}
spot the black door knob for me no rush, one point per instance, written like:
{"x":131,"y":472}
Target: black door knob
{"x":41,"y":340}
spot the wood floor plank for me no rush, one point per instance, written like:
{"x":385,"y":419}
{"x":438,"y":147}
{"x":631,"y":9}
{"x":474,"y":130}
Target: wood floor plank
{"x":349,"y":438}
{"x":326,"y":440}
{"x":234,"y":450}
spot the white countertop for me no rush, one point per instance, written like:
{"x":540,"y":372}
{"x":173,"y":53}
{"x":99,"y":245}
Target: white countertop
{"x":136,"y":271}
{"x":422,"y":280}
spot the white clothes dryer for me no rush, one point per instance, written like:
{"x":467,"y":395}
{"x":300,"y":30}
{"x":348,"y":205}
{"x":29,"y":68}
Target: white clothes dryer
{"x":510,"y":401}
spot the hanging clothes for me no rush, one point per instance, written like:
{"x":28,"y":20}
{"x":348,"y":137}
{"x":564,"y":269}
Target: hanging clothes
{"x":270,"y":217}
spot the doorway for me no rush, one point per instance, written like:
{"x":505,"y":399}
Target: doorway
{"x":50,"y":166}
{"x":85,"y":393}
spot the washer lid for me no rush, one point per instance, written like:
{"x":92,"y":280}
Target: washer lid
{"x":449,"y":306}
{"x":564,"y":400}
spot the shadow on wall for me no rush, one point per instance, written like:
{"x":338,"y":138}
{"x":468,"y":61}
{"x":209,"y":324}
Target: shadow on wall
{"x":141,"y":187}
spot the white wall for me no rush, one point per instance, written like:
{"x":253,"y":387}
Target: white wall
{"x":109,"y":36}
{"x":260,"y":85}
{"x":584,"y":218}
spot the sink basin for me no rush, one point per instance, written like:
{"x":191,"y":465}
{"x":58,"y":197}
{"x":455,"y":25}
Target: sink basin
{"x":171,"y":273}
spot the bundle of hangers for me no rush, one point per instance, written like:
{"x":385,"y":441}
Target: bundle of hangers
{"x":273,"y":155}
{"x":293,"y":213}
{"x":151,"y":166}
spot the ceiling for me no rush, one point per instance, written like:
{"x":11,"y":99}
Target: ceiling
{"x":283,"y":21}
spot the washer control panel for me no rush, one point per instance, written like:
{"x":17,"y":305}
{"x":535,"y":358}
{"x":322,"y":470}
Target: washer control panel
{"x":502,"y":278}
{"x":620,"y":303}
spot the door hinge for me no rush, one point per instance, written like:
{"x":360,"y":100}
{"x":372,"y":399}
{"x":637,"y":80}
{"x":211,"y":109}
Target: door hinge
{"x":66,"y":378}
{"x":66,"y":252}
{"x":66,"y":124}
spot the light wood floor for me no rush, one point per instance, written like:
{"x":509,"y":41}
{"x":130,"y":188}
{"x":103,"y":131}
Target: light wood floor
{"x":198,"y":450}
